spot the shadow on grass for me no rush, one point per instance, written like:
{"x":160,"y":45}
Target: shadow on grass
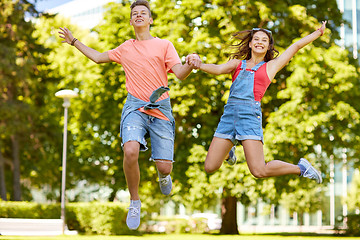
{"x":303,"y":234}
{"x":286,"y":234}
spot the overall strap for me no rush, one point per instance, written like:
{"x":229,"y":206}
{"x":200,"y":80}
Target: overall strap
{"x":243,"y":65}
{"x":257,"y":66}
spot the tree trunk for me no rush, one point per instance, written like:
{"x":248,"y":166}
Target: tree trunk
{"x":16,"y":171}
{"x":112,"y":195}
{"x":2,"y":178}
{"x":228,"y":215}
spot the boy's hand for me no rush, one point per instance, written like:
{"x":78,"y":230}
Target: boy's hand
{"x":193,"y":60}
{"x":66,"y":35}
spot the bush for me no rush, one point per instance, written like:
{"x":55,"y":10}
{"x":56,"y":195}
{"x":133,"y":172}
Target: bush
{"x":29,"y":210}
{"x":106,"y":218}
{"x":101,"y":218}
{"x":353,"y":223}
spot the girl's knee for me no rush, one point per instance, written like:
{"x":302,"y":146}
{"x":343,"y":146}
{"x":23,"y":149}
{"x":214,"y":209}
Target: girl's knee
{"x":207,"y":169}
{"x":258,"y":172}
{"x":210,"y":168}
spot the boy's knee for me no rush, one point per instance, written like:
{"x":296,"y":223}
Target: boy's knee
{"x":165,"y":171}
{"x":164,"y":167}
{"x":131,"y":152}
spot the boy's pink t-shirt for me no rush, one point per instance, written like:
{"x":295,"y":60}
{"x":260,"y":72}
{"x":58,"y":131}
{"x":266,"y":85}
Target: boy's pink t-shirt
{"x":146,"y":64}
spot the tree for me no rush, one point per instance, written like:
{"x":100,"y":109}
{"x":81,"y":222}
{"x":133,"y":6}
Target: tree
{"x":25,"y":131}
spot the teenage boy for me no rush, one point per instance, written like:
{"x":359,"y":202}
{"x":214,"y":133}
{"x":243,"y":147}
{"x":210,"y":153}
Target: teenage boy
{"x":147,"y":111}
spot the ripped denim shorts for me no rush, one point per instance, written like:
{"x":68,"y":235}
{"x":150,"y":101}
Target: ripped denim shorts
{"x":138,"y":126}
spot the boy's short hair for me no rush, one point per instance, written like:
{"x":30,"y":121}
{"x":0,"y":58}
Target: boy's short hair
{"x":140,"y":3}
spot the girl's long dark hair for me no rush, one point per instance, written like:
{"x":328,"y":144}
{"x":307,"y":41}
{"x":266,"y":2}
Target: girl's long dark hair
{"x":243,"y":51}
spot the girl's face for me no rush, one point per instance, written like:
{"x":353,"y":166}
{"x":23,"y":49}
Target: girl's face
{"x":260,"y":42}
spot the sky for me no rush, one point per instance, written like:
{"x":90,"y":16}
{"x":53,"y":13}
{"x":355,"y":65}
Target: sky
{"x":42,"y":5}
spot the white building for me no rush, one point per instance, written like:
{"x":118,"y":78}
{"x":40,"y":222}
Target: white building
{"x":350,"y":35}
{"x":85,"y":13}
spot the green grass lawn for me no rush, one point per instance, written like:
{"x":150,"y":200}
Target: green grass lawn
{"x":181,"y":237}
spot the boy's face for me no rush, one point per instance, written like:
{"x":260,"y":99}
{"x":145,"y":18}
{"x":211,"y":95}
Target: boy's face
{"x":140,"y":16}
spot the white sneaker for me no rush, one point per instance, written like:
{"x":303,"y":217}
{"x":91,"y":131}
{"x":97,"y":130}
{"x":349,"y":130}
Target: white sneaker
{"x":231,"y":160}
{"x":165,"y":183}
{"x":133,"y":216}
{"x":309,"y":171}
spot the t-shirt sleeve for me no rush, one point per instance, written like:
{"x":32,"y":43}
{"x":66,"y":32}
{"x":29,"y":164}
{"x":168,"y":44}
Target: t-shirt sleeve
{"x":115,"y":54}
{"x":171,"y":58}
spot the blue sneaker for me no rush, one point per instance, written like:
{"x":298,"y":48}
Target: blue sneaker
{"x":231,"y":160}
{"x":133,"y":216}
{"x":165,"y":183}
{"x":308,"y":171}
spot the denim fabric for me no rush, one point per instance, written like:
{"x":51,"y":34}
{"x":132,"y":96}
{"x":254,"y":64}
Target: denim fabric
{"x":137,"y":126}
{"x":242,"y":117}
{"x":243,"y":86}
{"x":133,"y":103}
{"x":157,"y":93}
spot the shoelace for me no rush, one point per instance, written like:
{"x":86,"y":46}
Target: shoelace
{"x":309,"y":174}
{"x":134,"y":211}
{"x":164,"y":181}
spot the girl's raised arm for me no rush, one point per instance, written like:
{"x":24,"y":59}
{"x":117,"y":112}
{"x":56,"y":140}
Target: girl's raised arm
{"x":278,"y":63}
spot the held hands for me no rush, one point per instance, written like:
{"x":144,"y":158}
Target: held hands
{"x":67,"y":35}
{"x":322,"y":28}
{"x":193,"y":60}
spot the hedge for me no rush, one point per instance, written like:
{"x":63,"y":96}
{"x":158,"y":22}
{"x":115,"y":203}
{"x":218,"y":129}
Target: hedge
{"x":353,"y":223}
{"x":106,"y":218}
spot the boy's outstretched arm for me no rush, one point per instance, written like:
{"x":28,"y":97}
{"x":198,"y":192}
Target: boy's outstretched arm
{"x":183,"y":71}
{"x":92,"y":54}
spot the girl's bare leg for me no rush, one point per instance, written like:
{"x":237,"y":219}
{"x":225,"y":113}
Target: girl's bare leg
{"x":254,"y":155}
{"x":218,"y":151}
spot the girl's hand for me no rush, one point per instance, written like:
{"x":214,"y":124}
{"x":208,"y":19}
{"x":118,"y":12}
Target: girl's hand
{"x":193,"y":60}
{"x":323,"y":27}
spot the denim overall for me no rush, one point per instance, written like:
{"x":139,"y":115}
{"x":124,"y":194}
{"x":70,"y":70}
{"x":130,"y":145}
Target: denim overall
{"x":242,"y":118}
